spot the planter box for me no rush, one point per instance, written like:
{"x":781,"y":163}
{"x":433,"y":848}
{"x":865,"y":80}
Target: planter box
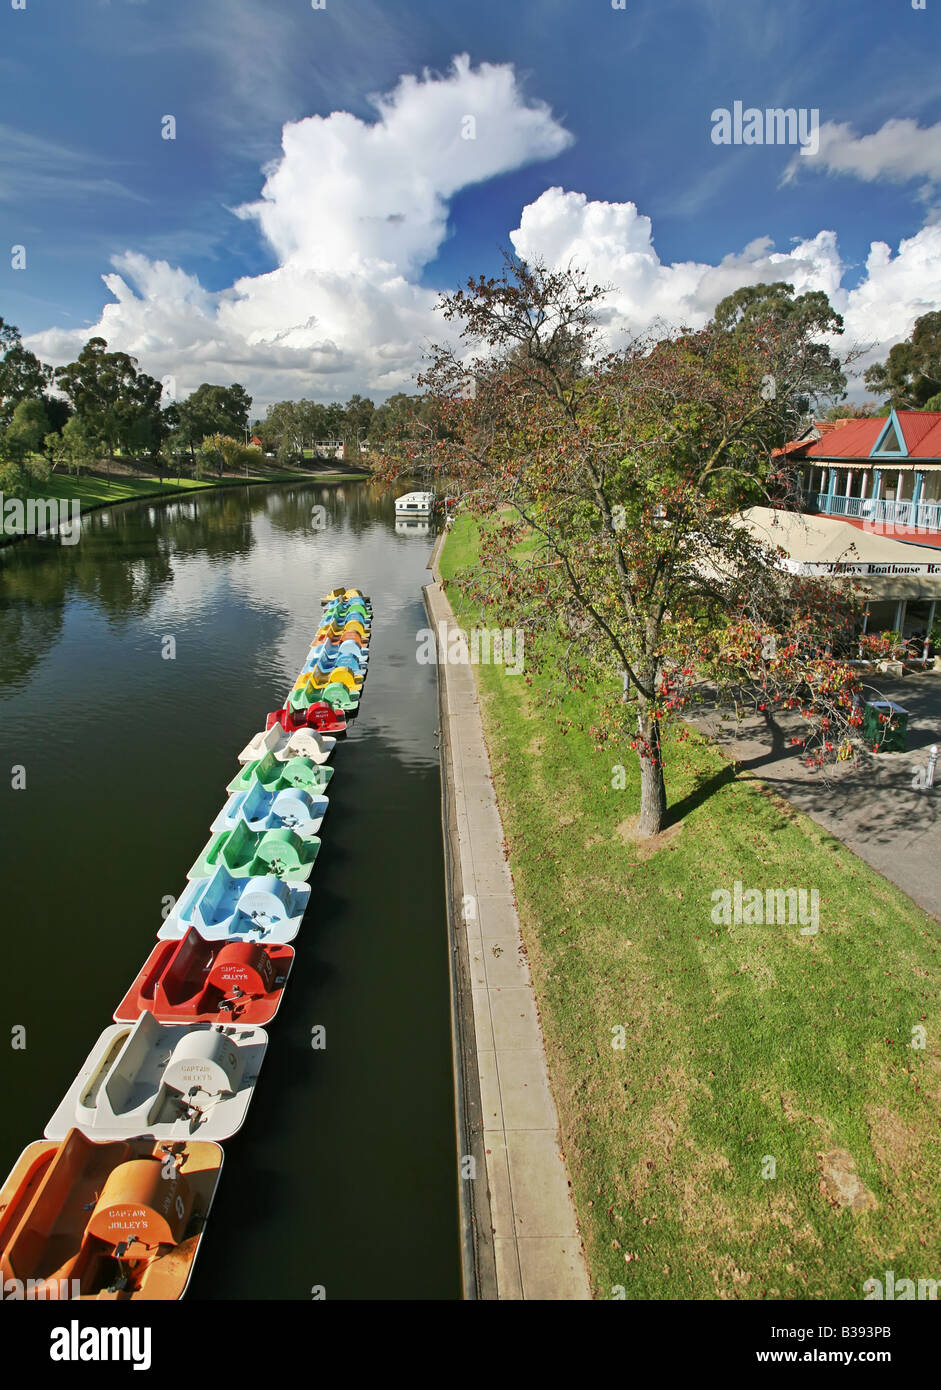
{"x":885,"y":738}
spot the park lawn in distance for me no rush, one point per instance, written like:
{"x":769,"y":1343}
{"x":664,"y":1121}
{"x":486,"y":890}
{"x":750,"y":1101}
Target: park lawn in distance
{"x":748,"y":1049}
{"x":94,"y":489}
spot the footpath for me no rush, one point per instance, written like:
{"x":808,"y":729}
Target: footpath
{"x":522,"y":1235}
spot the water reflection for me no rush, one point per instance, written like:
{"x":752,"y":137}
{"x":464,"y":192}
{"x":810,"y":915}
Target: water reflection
{"x":347,"y":1151}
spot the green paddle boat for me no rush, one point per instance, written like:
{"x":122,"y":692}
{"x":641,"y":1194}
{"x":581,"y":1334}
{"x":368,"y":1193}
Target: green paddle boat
{"x":255,"y":853}
{"x":334,"y":694}
{"x":277,"y":777}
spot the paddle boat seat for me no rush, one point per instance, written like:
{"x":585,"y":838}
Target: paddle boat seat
{"x":256,"y":853}
{"x":225,"y":908}
{"x":124,"y":1218}
{"x":275,"y":776}
{"x":197,"y":981}
{"x":319,"y":716}
{"x":290,"y":809}
{"x":334,"y":694}
{"x":163,"y":1081}
{"x":308,"y":743}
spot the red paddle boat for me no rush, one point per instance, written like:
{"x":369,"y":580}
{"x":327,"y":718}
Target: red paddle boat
{"x":320,"y":716}
{"x":191,"y":980}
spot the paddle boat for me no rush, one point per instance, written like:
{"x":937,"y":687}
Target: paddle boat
{"x":340,"y":613}
{"x":320,"y":716}
{"x":320,"y":666}
{"x":150,"y":1080}
{"x":225,"y":908}
{"x":335,"y":636}
{"x":340,"y":594}
{"x":340,"y":631}
{"x":308,"y":743}
{"x":298,"y":773}
{"x":262,"y":810}
{"x":351,"y":679}
{"x":106,"y":1221}
{"x":334,"y":693}
{"x":197,"y":981}
{"x":327,"y":650}
{"x":257,"y":854}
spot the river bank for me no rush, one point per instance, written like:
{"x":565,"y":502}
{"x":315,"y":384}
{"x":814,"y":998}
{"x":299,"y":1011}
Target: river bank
{"x":521,"y":1238}
{"x":747,"y":1111}
{"x":96,"y":490}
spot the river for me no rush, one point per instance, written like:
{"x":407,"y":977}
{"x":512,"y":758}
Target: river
{"x":344,"y":1175}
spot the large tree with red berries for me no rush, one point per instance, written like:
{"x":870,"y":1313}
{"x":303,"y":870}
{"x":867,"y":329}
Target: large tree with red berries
{"x":610,"y":486}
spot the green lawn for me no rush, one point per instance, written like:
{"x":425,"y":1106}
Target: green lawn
{"x":94,"y":489}
{"x":744,"y":1044}
{"x":97,"y":489}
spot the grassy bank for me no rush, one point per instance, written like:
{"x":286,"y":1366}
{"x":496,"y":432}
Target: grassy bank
{"x":747,"y":1049}
{"x":97,"y":489}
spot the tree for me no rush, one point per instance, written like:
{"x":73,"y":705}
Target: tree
{"x":609,"y":487}
{"x":22,"y":375}
{"x":359,"y":413}
{"x":214,"y":410}
{"x":26,"y":431}
{"x":912,"y":374}
{"x":780,"y":321}
{"x":118,"y":405}
{"x":221,"y":451}
{"x":72,"y":445}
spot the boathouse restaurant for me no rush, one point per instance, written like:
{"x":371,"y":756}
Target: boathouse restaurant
{"x":871,"y":498}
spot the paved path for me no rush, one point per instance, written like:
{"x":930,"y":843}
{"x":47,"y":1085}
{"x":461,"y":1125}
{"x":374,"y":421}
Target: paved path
{"x":536,"y":1243}
{"x":873,"y":809}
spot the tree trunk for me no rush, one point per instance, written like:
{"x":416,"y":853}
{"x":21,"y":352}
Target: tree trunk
{"x":653,"y":792}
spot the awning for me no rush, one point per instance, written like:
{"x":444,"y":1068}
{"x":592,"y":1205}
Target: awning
{"x":826,"y":546}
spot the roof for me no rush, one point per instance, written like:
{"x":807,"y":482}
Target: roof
{"x":819,"y":541}
{"x":856,"y":439}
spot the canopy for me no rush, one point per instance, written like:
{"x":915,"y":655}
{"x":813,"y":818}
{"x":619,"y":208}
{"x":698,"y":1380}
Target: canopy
{"x":885,"y":568}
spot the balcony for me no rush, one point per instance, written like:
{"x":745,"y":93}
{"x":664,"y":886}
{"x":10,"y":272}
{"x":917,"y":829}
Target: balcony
{"x":880,"y":515}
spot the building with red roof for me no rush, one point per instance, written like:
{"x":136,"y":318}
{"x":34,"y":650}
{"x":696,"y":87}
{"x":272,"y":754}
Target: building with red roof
{"x":879,"y":478}
{"x":884,"y":473}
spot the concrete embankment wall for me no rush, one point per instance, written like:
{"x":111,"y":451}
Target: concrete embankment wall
{"x":519,"y":1230}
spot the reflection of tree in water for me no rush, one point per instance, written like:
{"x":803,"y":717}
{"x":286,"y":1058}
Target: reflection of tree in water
{"x":125,"y":556}
{"x":122,"y":561}
{"x":352,"y":505}
{"x":27,"y":630}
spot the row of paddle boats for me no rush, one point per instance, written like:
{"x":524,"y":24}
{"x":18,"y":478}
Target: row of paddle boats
{"x":112,"y":1203}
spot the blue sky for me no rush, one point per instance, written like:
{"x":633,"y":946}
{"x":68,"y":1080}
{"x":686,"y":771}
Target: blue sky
{"x":623,"y":101}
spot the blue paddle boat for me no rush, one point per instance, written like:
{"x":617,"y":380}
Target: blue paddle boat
{"x":260,"y":809}
{"x":223,"y":908}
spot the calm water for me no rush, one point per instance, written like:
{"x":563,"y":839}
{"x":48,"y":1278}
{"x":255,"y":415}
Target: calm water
{"x":344,"y":1173}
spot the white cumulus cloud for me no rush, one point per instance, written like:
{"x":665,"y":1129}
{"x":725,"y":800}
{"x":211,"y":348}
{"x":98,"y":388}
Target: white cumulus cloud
{"x":355,"y":210}
{"x":614,"y":243}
